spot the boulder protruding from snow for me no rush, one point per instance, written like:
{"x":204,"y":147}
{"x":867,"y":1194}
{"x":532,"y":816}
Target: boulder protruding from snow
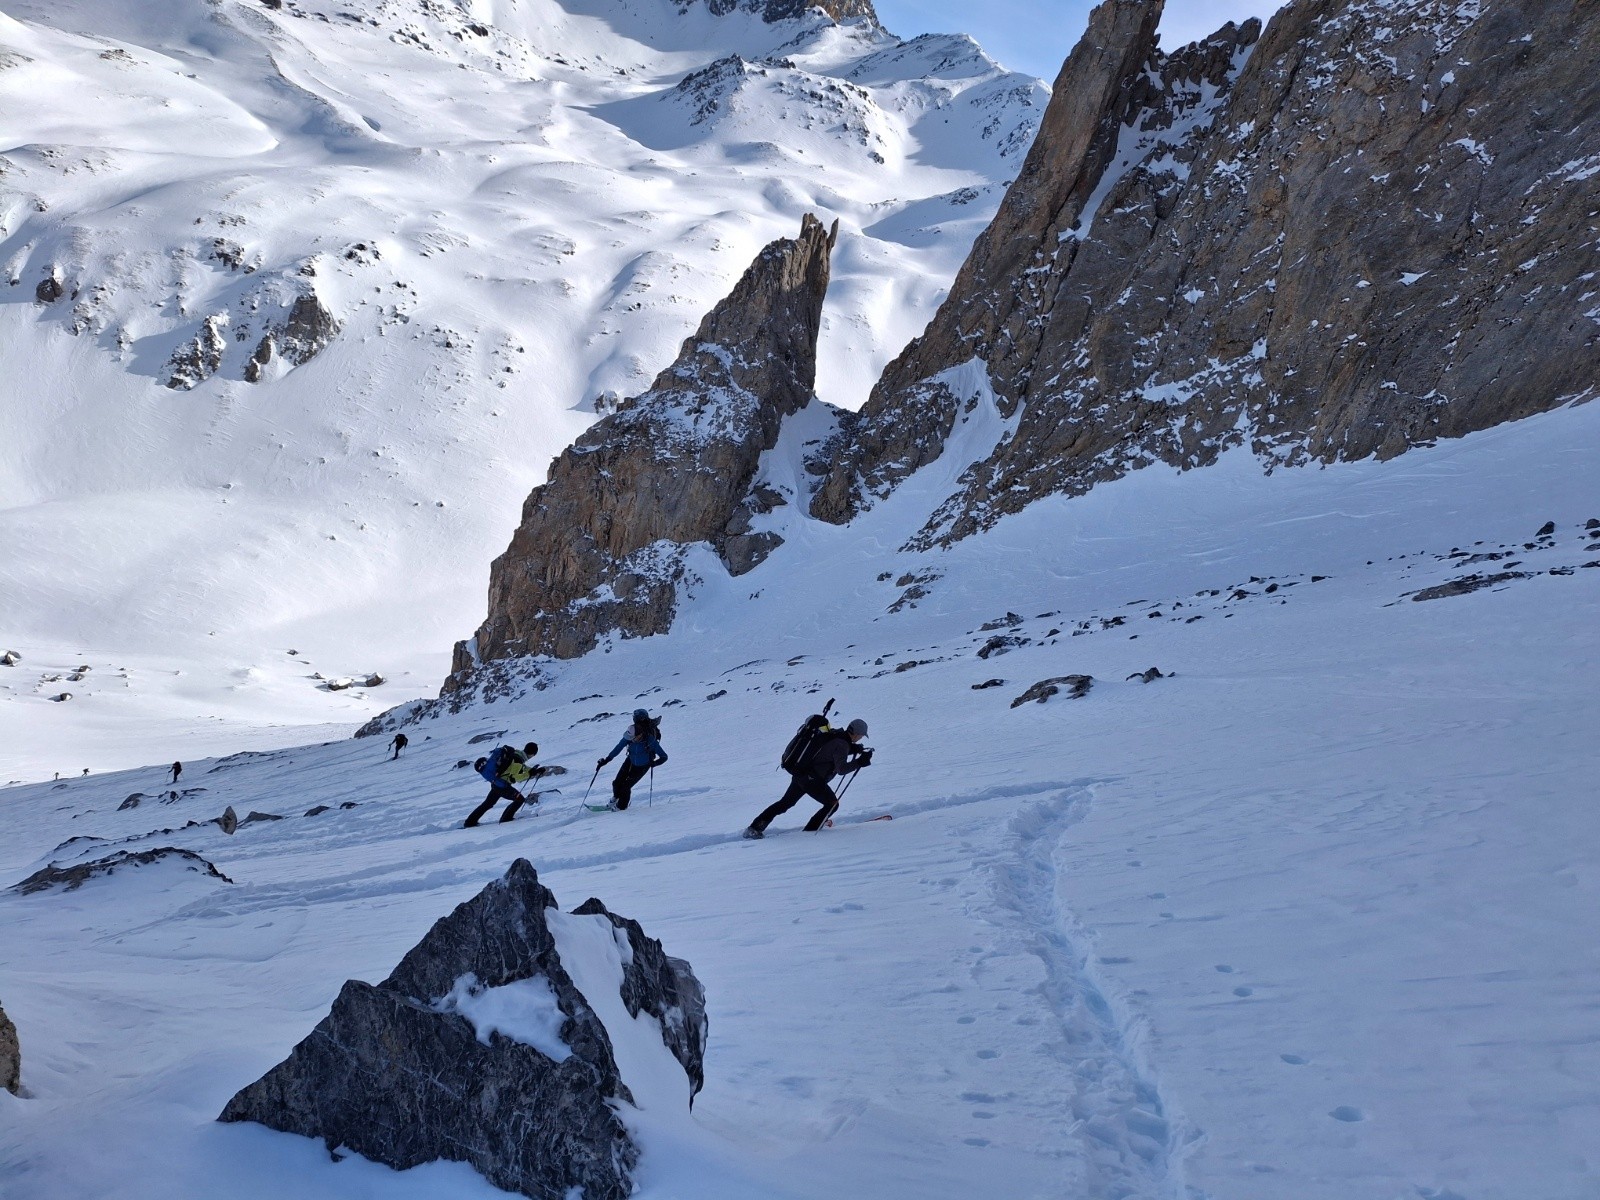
{"x":71,"y":878}
{"x":495,"y":1043}
{"x":304,"y":333}
{"x":1075,"y":686}
{"x":602,"y":546}
{"x":10,"y":1056}
{"x":10,"y":658}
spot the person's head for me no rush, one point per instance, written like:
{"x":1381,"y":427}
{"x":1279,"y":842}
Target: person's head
{"x":531,"y":749}
{"x":857,"y":729}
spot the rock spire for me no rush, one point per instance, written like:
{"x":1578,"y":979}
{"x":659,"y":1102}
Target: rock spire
{"x":601,"y":546}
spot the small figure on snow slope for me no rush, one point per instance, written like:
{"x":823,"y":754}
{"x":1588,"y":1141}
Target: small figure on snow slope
{"x":503,"y":767}
{"x":400,"y":743}
{"x":177,"y":769}
{"x":643,"y":744}
{"x":831,"y":753}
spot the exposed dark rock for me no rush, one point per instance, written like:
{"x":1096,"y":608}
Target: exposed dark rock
{"x":304,"y":333}
{"x":50,"y":289}
{"x":1546,"y":530}
{"x":1010,"y":621}
{"x":664,"y":987}
{"x":10,"y":1056}
{"x":1000,"y":644}
{"x":70,"y":879}
{"x":318,"y":810}
{"x":228,"y":821}
{"x":1075,"y":686}
{"x":199,"y":358}
{"x":10,"y":658}
{"x":787,"y":10}
{"x":400,"y":1073}
{"x":492,"y":736}
{"x":1147,"y":676}
{"x":61,"y":697}
{"x":988,"y":683}
{"x":257,"y":817}
{"x":1353,"y":237}
{"x":601,"y":546}
{"x":131,"y":802}
{"x":1467,"y":583}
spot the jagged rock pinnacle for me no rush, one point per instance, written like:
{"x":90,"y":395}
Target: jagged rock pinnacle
{"x":601,"y":546}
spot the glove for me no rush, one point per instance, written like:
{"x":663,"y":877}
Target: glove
{"x":601,"y":763}
{"x":864,"y":758}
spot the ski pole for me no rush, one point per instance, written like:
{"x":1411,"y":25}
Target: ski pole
{"x":847,"y":784}
{"x":652,"y":803}
{"x":590,"y":788}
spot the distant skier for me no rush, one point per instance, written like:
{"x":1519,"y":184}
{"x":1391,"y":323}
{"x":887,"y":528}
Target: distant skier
{"x":503,"y":767}
{"x":177,"y":769}
{"x":400,"y":743}
{"x":833,"y":752}
{"x":643,"y":744}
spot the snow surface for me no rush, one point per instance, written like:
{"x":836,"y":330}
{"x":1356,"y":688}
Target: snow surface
{"x":1310,"y":919}
{"x":525,"y":1011}
{"x":515,"y":209}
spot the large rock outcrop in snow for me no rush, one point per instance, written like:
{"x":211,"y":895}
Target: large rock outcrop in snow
{"x":494,"y":1043}
{"x":10,"y":1056}
{"x":601,"y":545}
{"x":789,"y":10}
{"x":1373,"y":228}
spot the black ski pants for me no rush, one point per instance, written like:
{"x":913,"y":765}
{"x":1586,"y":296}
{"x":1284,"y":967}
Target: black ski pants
{"x":498,"y":791}
{"x":622,"y":785}
{"x":801,"y":785}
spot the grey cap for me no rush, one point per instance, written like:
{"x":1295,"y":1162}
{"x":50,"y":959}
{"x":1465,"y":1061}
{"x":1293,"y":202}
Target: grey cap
{"x":857,"y":727}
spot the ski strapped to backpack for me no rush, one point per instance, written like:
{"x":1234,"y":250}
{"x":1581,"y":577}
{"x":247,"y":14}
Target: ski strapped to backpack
{"x":802,"y":748}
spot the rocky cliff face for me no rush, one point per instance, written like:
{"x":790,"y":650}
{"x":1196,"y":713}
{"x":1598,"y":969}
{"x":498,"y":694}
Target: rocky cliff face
{"x":602,"y":545}
{"x":1355,"y":235}
{"x":789,"y":10}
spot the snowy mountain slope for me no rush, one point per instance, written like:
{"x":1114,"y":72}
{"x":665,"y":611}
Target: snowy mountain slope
{"x":437,"y":234}
{"x":1309,"y":918}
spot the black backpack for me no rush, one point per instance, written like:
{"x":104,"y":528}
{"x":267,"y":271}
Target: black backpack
{"x":650,"y":727}
{"x":803,"y":746}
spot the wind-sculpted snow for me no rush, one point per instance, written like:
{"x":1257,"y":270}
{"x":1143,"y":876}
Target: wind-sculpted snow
{"x":1316,"y":900}
{"x":297,"y":297}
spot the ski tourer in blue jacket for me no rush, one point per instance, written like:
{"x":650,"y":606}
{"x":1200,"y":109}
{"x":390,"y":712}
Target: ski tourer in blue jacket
{"x":642,"y":742}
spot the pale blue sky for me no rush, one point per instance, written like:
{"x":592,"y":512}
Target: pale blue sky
{"x":1037,"y":35}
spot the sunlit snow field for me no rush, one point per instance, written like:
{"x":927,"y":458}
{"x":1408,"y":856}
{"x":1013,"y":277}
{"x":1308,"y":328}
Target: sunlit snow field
{"x":1310,"y":919}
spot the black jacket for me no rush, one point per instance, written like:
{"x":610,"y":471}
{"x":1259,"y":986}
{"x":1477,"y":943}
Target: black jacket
{"x":836,"y":755}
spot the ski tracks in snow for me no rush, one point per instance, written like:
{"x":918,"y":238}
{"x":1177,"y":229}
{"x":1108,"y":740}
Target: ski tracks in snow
{"x":1132,"y":1141}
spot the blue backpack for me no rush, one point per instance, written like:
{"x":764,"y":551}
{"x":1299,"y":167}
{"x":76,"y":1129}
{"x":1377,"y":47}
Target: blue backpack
{"x":497,"y":761}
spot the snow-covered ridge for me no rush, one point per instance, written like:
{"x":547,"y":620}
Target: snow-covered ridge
{"x":394,"y":259}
